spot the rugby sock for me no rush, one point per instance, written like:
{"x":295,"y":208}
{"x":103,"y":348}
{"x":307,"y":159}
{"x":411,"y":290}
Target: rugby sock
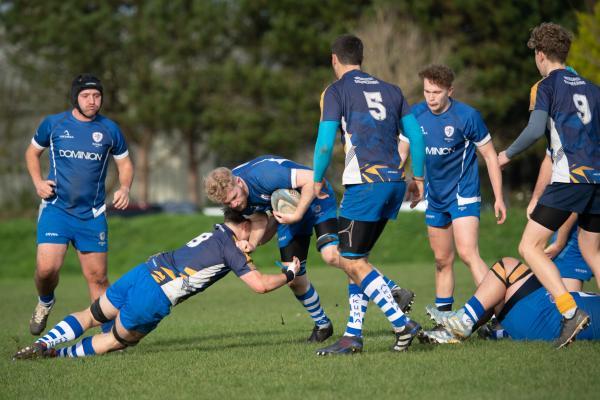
{"x":387,"y":280}
{"x":65,"y":331}
{"x":311,"y":302}
{"x":377,"y":290}
{"x":81,"y":349}
{"x":444,"y":303}
{"x":474,"y":309}
{"x":358,"y":307}
{"x":566,"y":305}
{"x":46,"y":300}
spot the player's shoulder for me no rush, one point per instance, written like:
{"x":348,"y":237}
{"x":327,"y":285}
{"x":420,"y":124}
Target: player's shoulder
{"x":419,"y":109}
{"x":108,"y":123}
{"x":54,"y":119}
{"x":464,"y":110}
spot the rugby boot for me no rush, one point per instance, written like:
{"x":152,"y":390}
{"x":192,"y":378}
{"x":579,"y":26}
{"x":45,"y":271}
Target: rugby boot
{"x":38,"y":320}
{"x":345,"y":345}
{"x":320,"y":333}
{"x":570,"y":327}
{"x":492,"y":331}
{"x":438,"y":336}
{"x":36,"y":350}
{"x":405,"y":336}
{"x":456,"y":322}
{"x":404,"y":298}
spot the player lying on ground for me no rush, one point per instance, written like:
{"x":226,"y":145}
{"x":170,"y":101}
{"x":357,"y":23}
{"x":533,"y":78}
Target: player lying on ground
{"x":248,"y":188}
{"x":140,"y":299}
{"x":524,"y":307}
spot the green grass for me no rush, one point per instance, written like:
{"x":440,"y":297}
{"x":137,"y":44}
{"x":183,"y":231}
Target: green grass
{"x":230,"y":343}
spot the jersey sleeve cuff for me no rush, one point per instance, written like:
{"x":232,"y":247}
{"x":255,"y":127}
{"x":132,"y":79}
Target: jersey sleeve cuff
{"x":483,"y":141}
{"x":293,"y":178}
{"x":37,"y":145}
{"x":404,"y":138}
{"x":122,"y":155}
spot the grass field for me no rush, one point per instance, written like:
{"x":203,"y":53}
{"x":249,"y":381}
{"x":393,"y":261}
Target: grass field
{"x":231,"y":343}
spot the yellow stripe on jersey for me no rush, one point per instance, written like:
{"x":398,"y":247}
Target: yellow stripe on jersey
{"x":321,"y":102}
{"x":579,"y":172}
{"x":158,"y":276}
{"x":168,"y":272}
{"x":374,"y":170}
{"x":533,"y":94}
{"x":189,"y":271}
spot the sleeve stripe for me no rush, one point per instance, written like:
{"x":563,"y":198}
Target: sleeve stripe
{"x":483,"y":141}
{"x":122,"y":155}
{"x":37,"y":145}
{"x":404,"y":138}
{"x":293,"y":178}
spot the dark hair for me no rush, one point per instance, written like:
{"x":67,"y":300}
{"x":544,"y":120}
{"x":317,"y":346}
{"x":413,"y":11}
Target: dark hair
{"x":551,"y":39}
{"x":348,"y":49}
{"x":233,"y":216}
{"x":441,"y":75}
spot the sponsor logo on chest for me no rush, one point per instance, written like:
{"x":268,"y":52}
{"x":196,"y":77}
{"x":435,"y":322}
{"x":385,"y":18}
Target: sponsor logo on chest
{"x":80,"y":155}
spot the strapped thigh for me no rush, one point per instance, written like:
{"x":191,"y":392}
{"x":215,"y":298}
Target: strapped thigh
{"x":519,"y":272}
{"x":97,"y":313}
{"x":121,"y":340}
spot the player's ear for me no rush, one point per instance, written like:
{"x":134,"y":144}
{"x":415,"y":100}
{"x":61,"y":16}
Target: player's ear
{"x":450,"y":91}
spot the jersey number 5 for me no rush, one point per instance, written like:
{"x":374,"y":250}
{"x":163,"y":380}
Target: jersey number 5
{"x":375,"y":104}
{"x":583,"y":108}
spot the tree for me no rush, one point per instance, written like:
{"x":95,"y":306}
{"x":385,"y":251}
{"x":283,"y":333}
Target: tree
{"x":585,"y":49}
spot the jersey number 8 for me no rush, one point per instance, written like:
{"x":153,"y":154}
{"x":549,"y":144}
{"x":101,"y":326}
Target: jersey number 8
{"x":199,"y":239}
{"x":375,"y":104}
{"x":583,"y":108}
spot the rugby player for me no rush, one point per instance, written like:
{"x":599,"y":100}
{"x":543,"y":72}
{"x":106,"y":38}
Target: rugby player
{"x":248,"y":188}
{"x":73,"y":207}
{"x":141,"y":298}
{"x":452,"y":132}
{"x":570,"y":106}
{"x":524,"y":307}
{"x":371,"y":113}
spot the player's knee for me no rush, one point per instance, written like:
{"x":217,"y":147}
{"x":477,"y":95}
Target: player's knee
{"x":443,"y":263}
{"x":120,"y":340}
{"x":331,"y":257}
{"x":47,"y":270}
{"x":97,"y":279}
{"x":469,"y":256}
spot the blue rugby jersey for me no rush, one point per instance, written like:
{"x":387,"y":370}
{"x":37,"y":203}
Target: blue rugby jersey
{"x":450,"y":157}
{"x":79,"y":160}
{"x":370,"y":112}
{"x":573,"y":107}
{"x":192,"y":268}
{"x":264,"y":175}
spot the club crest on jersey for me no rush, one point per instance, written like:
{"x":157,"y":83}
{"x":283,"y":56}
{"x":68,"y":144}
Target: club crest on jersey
{"x":97,"y":136}
{"x":449,"y":131}
{"x":102,"y":236}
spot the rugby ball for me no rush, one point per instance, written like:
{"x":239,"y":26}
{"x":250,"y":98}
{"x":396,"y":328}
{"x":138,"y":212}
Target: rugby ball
{"x":285,"y":201}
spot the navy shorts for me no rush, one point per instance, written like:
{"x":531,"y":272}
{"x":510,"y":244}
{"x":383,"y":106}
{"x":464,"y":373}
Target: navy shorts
{"x":580,"y":198}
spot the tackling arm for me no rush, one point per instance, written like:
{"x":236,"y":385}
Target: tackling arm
{"x":264,"y":283}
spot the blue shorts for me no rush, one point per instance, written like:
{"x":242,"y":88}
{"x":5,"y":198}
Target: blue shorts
{"x":536,"y":317}
{"x":320,"y":210}
{"x":581,"y":198}
{"x":57,"y":226}
{"x":570,"y":263}
{"x":372,"y":202}
{"x":440,"y":219}
{"x":141,"y":302}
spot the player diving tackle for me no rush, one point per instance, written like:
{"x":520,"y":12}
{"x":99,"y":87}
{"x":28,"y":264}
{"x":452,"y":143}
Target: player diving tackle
{"x":141,"y":298}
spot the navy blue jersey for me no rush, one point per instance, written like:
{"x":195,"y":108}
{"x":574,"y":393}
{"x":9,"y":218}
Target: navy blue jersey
{"x":264,"y":175}
{"x":197,"y":265}
{"x":451,"y":171}
{"x":369,"y":111}
{"x":79,"y":159}
{"x":573,"y":107}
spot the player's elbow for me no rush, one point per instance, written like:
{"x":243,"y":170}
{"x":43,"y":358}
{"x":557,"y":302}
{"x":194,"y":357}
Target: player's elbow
{"x":260,"y":288}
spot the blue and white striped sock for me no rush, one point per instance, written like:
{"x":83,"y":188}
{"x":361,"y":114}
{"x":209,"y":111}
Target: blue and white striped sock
{"x":358,"y":307}
{"x":474,"y":309}
{"x":387,"y":280}
{"x":312,"y":303}
{"x":444,"y":303}
{"x":66,"y":330}
{"x":81,"y":349}
{"x":377,"y":290}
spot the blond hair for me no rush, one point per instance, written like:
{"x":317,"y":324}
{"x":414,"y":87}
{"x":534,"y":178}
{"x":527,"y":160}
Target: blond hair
{"x":218,"y":183}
